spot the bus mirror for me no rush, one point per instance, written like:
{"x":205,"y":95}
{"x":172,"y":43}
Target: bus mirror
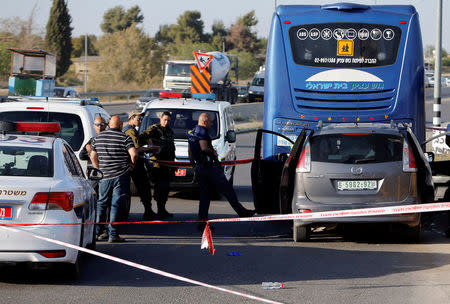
{"x":429,"y":156}
{"x":231,"y":136}
{"x":447,"y":136}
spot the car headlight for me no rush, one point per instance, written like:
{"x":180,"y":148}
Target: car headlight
{"x":251,"y":92}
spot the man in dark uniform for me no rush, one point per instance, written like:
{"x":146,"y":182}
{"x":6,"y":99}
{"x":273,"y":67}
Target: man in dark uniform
{"x":140,"y":174}
{"x":161,"y":135}
{"x":208,"y":170}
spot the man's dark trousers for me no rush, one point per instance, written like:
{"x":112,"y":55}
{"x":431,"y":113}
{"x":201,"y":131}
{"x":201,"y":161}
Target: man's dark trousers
{"x":210,"y":177}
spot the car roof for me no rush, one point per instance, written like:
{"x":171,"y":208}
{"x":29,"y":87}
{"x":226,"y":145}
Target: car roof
{"x":23,"y":140}
{"x":12,"y":101}
{"x":375,"y":128}
{"x":181,"y":103}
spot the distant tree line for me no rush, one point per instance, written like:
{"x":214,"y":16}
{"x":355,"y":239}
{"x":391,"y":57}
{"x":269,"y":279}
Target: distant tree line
{"x":129,"y":57}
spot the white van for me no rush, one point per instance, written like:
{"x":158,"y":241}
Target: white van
{"x":76,"y":116}
{"x":185,"y":113}
{"x":256,"y":89}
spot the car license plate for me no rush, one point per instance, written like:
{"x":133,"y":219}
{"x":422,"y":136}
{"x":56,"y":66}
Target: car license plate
{"x":258,"y":99}
{"x":357,"y":185}
{"x":180,"y":172}
{"x":5,"y":213}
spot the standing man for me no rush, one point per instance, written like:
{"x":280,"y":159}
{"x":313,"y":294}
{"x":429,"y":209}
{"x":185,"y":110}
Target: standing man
{"x":140,"y":174}
{"x":208,"y":170}
{"x":113,"y":152}
{"x":161,"y":135}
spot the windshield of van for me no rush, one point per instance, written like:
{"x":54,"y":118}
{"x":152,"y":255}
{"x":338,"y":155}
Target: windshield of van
{"x":71,"y":126}
{"x":183,"y":120}
{"x":259,"y":82}
{"x":356,"y":148}
{"x":344,"y":44}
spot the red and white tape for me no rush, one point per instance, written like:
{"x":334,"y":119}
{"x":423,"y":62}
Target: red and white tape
{"x":142,"y":267}
{"x":416,"y":208}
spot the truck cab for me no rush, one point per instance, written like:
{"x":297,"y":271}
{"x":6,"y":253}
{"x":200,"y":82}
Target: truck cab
{"x":177,"y":75}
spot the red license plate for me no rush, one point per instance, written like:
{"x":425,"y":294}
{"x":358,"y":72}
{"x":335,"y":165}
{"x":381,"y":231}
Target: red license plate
{"x":5,"y":213}
{"x":180,"y":172}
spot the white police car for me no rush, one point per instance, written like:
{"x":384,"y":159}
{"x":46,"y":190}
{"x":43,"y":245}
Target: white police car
{"x":43,"y":183}
{"x":185,"y":112}
{"x":75,"y":116}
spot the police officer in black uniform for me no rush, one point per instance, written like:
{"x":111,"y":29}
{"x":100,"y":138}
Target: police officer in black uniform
{"x":208,"y":170}
{"x":161,"y":135}
{"x":139,"y":174}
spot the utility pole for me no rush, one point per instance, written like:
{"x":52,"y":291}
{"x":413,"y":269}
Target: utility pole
{"x":437,"y":67}
{"x":85,"y":63}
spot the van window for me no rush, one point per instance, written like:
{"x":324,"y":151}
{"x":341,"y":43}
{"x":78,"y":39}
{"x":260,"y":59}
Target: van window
{"x":71,"y":126}
{"x":356,"y":148}
{"x":257,"y":81}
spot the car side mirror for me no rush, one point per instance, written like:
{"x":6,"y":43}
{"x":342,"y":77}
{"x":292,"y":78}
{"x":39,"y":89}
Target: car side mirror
{"x":429,"y":156}
{"x":231,"y":136}
{"x":94,"y":174}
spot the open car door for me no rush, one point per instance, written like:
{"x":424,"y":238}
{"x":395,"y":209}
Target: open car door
{"x":266,"y":175}
{"x":288,"y":174}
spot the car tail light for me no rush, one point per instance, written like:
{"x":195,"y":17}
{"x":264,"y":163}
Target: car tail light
{"x":51,"y":254}
{"x":52,"y":201}
{"x":304,"y":163}
{"x":409,"y":162}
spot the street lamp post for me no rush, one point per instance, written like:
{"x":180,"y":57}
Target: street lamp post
{"x":437,"y":67}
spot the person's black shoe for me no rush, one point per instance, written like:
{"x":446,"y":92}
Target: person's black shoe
{"x":164,"y":214}
{"x":247,"y":213}
{"x":149,"y":216}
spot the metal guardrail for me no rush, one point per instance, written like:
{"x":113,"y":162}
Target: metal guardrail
{"x":126,"y":94}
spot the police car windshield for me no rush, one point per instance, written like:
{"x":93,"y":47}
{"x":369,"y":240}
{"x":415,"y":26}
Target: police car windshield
{"x":356,"y":148}
{"x":71,"y":126}
{"x":183,"y":120}
{"x":25,"y":161}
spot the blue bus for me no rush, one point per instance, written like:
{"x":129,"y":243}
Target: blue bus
{"x":335,"y":63}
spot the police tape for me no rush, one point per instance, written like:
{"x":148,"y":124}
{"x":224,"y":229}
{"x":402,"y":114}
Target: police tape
{"x":140,"y":266}
{"x":373,"y":211}
{"x":188,"y":164}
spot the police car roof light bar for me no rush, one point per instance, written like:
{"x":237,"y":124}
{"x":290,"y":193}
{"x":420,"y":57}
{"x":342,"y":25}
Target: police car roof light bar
{"x":44,"y":127}
{"x":210,"y":96}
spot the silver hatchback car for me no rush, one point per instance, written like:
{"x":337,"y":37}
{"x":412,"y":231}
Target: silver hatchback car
{"x":345,"y":166}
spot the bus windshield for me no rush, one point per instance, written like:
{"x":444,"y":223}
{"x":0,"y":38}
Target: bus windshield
{"x":344,"y":44}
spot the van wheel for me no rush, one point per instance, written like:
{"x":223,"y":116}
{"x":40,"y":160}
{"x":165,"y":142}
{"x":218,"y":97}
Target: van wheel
{"x":414,"y":234}
{"x":301,"y":233}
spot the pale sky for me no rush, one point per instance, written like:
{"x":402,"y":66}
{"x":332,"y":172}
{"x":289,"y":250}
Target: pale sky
{"x":88,"y":14}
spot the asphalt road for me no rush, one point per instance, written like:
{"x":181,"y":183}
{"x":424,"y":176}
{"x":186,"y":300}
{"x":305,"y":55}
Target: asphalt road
{"x":369,"y":267}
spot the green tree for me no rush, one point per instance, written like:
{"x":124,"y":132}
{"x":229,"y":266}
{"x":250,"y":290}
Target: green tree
{"x":5,"y":61}
{"x":189,"y":29}
{"x":241,"y":36}
{"x":78,"y":46}
{"x":248,"y":64}
{"x":129,"y":59}
{"x":59,"y":35}
{"x":117,"y":19}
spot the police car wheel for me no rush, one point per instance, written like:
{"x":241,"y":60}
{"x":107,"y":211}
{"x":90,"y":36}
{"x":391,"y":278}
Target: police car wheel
{"x":72,"y":271}
{"x":7,"y":126}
